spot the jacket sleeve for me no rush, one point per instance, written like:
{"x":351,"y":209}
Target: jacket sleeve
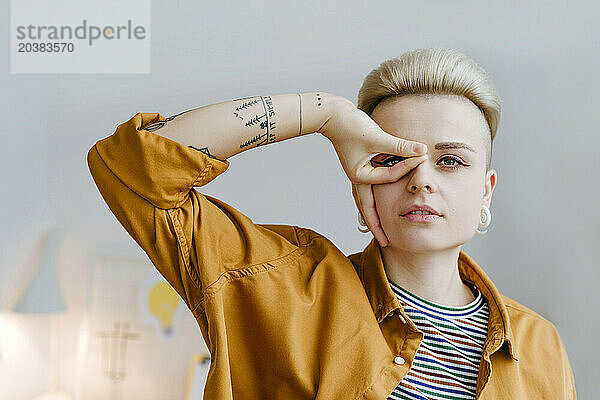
{"x":571,"y":391}
{"x":567,"y":377}
{"x":192,"y":239}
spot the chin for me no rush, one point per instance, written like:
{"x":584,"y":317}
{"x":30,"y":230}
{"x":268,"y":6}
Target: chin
{"x":417,"y":243}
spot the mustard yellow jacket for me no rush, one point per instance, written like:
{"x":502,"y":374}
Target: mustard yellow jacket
{"x":284,"y":313}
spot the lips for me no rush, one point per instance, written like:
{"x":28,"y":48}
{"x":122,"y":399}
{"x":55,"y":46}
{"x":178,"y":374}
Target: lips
{"x":420,"y":207}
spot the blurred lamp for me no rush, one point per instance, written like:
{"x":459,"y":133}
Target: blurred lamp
{"x":42,"y":296}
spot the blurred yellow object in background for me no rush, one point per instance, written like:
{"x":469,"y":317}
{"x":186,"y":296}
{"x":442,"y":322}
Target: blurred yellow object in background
{"x":163,"y":302}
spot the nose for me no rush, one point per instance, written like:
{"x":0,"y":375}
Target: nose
{"x":421,"y":178}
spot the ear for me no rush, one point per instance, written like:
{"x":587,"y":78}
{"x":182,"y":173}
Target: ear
{"x":490,"y":183}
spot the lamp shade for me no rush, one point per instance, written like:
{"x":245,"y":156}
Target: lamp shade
{"x":42,"y":294}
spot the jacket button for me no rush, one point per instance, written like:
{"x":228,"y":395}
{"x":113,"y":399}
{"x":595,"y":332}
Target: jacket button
{"x":399,"y":360}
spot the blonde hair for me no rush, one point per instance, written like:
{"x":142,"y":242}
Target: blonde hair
{"x":434,"y":71}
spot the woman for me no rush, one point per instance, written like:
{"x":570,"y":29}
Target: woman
{"x":284,"y":313}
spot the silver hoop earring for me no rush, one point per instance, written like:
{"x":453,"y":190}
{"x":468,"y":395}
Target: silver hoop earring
{"x":361,"y":222}
{"x":485,"y":217}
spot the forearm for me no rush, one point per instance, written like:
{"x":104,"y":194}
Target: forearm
{"x":224,"y":129}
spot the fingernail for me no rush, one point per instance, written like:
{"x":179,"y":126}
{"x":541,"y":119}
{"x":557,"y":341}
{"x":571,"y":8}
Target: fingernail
{"x":419,"y":148}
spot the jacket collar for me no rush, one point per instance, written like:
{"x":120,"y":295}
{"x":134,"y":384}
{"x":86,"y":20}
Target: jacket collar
{"x":383,"y":300}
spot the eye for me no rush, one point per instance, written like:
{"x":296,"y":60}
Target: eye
{"x":456,"y":160}
{"x":389,"y":161}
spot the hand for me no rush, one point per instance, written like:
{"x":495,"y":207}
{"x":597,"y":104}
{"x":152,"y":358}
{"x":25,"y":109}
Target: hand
{"x":358,"y":139}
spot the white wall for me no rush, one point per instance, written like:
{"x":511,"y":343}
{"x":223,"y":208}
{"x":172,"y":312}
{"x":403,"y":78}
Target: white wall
{"x":542,"y":248}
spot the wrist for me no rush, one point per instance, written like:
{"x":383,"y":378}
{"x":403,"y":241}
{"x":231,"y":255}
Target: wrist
{"x":337,"y":106}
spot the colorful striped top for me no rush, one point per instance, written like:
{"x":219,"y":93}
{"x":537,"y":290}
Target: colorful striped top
{"x":447,"y":361}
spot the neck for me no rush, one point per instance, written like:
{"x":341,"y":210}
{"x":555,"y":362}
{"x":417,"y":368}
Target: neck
{"x":432,"y":275}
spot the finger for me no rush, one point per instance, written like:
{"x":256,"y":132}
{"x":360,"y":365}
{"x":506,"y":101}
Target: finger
{"x":375,"y":175}
{"x":407,"y":147}
{"x":403,"y":147}
{"x":369,"y":212}
{"x":357,"y":200}
{"x":355,"y":196}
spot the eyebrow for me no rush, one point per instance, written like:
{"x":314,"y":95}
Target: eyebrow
{"x":453,"y":145}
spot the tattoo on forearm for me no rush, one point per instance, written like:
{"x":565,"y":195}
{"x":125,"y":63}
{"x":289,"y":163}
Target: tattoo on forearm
{"x":244,"y":106}
{"x":247,"y":104}
{"x":247,"y":112}
{"x":300,"y":118}
{"x":157,"y":125}
{"x":203,"y":150}
{"x":319,"y":104}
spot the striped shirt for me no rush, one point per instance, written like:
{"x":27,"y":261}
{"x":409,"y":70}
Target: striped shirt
{"x":447,"y":361}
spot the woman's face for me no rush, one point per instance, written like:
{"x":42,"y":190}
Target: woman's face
{"x":453,"y":181}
